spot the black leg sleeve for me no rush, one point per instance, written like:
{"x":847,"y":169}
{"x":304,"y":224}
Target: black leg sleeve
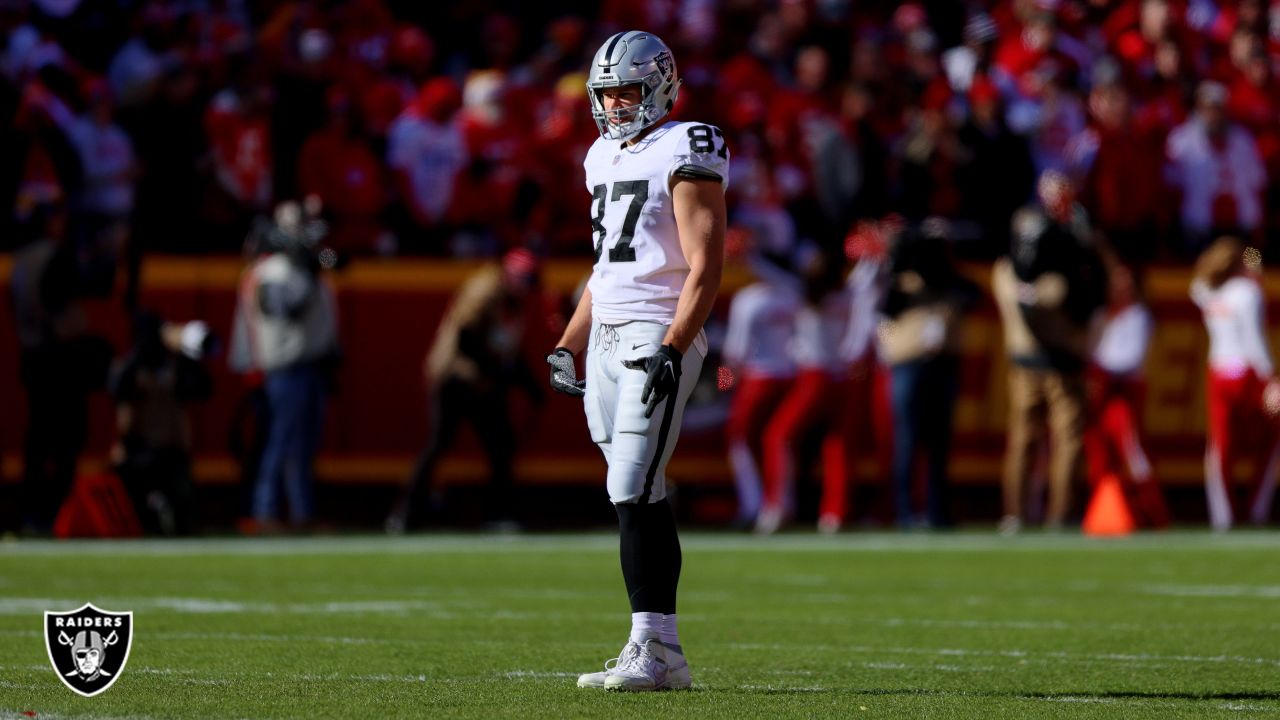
{"x":651,"y":557}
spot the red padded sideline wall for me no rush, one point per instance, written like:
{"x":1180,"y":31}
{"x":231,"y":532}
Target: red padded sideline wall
{"x":389,"y":312}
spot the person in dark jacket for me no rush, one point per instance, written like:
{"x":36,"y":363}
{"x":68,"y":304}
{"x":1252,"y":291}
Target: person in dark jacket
{"x":919,"y":337}
{"x":471,"y":367}
{"x":1047,"y":291}
{"x":61,"y":363}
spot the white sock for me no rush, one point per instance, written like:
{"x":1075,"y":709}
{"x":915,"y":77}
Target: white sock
{"x":646,"y":626}
{"x":669,"y":635}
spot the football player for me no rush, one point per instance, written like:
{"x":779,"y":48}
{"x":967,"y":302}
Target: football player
{"x":1115,"y":388}
{"x":658,"y":220}
{"x":1242,"y":394}
{"x":762,"y":319}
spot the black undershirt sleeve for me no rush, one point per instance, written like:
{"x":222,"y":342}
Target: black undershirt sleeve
{"x":695,"y":172}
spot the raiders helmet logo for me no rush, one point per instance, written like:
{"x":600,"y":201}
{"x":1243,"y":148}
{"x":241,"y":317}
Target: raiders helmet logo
{"x":664,"y":63}
{"x":88,"y":647}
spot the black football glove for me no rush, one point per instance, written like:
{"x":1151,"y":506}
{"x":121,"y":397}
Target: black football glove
{"x":564,"y":376}
{"x":663,"y":369}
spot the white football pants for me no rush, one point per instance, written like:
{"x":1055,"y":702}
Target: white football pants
{"x":637,"y":449}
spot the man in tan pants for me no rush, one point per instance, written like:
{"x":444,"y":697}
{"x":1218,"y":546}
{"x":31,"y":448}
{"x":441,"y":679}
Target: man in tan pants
{"x":1046,"y":292}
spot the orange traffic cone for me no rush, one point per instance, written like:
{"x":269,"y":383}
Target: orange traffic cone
{"x":1108,"y":513}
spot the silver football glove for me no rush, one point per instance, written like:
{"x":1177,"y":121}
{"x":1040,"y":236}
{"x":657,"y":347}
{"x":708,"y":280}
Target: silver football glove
{"x":564,"y":376}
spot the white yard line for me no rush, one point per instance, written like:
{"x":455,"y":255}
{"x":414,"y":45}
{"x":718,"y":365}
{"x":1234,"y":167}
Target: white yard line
{"x":42,"y":715}
{"x":1266,"y":592}
{"x":1050,"y":656}
{"x":1148,"y":702}
{"x":461,"y":607}
{"x":607,"y":543}
{"x":210,"y":606}
{"x":464,"y":608}
{"x":1016,"y":654}
{"x":784,"y":688}
{"x":300,"y":639}
{"x":518,"y":674}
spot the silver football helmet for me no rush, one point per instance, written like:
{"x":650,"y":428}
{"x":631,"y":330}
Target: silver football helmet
{"x":632,"y":58}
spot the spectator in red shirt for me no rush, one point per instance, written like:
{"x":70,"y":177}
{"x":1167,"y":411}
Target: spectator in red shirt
{"x":791,"y":108}
{"x":563,"y":136}
{"x":1229,"y":65}
{"x":1020,"y":53}
{"x":238,"y":127}
{"x":1117,"y":165}
{"x":425,"y":151}
{"x":1135,"y":47}
{"x":1255,"y":103}
{"x":797,"y":121}
{"x":338,"y":166}
{"x":1162,"y":102}
{"x":411,"y":57}
{"x":495,"y":195}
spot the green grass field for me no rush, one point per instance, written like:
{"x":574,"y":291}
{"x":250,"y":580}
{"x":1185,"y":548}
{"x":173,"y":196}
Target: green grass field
{"x":1181,"y":625}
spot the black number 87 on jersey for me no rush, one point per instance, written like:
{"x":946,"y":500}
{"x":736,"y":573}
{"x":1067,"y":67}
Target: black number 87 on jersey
{"x":639,"y":191}
{"x":700,"y":141}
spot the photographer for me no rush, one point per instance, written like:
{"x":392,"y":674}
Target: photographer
{"x":150,"y":386}
{"x":474,"y":363}
{"x":286,"y":329}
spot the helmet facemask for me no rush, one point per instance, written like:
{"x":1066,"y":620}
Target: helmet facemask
{"x":624,"y":123}
{"x":639,"y":60}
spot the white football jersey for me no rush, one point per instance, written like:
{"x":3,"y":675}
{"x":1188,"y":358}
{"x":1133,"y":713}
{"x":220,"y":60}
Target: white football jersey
{"x":820,"y":331}
{"x":1235,"y":314}
{"x":762,"y":322}
{"x":1123,"y":339}
{"x":640,"y":268}
{"x":868,"y":283}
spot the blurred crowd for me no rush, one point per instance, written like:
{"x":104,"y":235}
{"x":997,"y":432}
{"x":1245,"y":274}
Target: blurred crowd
{"x":1073,"y":139}
{"x":458,"y":129}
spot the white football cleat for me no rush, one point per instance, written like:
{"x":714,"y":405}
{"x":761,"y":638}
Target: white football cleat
{"x":770,"y":520}
{"x":653,"y":666}
{"x":829,"y":524}
{"x":1009,"y":525}
{"x":678,"y":677}
{"x":596,"y":679}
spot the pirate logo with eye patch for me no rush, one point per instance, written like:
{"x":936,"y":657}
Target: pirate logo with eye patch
{"x":88,"y":647}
